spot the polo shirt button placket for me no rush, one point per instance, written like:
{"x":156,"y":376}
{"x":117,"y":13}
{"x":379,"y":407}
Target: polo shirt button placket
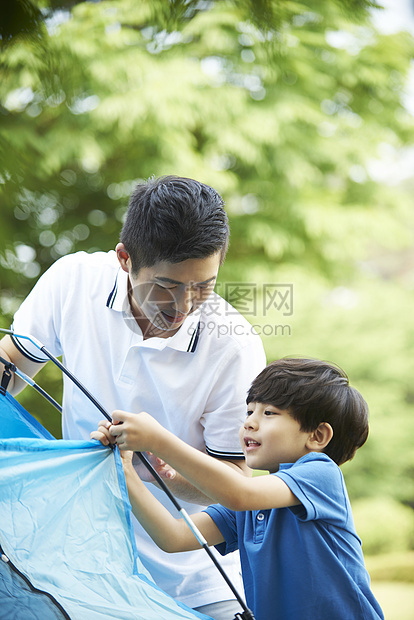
{"x":260,"y":527}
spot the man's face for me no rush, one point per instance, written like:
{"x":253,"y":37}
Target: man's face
{"x":166,"y":293}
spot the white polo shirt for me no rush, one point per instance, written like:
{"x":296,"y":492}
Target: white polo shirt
{"x":194,"y":383}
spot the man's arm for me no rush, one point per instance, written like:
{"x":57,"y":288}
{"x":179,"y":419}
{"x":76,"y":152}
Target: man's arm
{"x":217,"y":481}
{"x":12,"y":354}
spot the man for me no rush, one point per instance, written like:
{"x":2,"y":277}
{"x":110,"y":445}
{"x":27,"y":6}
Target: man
{"x":142,"y":329}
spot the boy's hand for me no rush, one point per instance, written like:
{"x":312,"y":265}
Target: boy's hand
{"x":124,"y":429}
{"x":139,"y":432}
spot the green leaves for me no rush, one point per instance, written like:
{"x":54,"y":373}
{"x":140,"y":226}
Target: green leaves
{"x":285,"y":107}
{"x":280,"y":105}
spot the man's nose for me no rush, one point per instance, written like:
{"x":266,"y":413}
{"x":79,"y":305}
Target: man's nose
{"x":183,"y":300}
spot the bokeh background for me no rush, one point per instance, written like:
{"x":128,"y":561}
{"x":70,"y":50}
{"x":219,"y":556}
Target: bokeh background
{"x":301,"y":115}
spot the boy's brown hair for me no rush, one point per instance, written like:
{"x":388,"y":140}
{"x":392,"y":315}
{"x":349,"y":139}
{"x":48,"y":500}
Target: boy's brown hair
{"x":314,"y":391}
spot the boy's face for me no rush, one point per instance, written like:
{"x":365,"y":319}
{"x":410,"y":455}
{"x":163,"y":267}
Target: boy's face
{"x":271,"y":436}
{"x":162,"y":296}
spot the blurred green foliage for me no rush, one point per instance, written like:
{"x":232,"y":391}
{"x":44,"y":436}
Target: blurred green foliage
{"x":392,"y":567}
{"x":280,"y":117}
{"x":392,"y":530}
{"x":289,"y":109}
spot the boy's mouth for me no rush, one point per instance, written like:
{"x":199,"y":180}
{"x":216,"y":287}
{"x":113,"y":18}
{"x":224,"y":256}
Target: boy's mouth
{"x":251,"y":444}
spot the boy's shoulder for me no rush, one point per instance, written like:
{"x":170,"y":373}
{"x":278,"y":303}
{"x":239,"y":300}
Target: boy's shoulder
{"x":309,"y":459}
{"x":317,"y":466}
{"x":317,"y":482}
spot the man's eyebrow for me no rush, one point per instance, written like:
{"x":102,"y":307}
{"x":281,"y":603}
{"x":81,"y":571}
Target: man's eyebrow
{"x":171,"y":281}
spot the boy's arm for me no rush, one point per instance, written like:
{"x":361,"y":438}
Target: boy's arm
{"x":168,"y":533}
{"x":183,"y":489}
{"x":176,"y":482}
{"x":217,"y":481}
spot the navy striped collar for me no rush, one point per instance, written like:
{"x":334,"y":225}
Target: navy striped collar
{"x":187,"y":337}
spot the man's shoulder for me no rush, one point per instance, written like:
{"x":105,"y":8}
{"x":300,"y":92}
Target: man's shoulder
{"x":85,"y":258}
{"x":222,"y":323}
{"x":96,"y":263}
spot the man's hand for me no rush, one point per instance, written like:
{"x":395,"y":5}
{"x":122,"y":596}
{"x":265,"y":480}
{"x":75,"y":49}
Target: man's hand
{"x":161,"y":467}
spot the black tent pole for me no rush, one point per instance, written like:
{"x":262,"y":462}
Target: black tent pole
{"x":9,"y":367}
{"x":247,"y":614}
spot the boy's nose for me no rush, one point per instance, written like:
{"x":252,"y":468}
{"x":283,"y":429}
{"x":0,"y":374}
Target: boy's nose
{"x":250,"y":422}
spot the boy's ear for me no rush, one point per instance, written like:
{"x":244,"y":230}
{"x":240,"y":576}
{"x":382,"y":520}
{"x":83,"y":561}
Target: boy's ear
{"x":319,"y":438}
{"x":123,"y":257}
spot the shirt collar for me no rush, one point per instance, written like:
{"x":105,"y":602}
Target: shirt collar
{"x":119,"y":291}
{"x":186,"y":339}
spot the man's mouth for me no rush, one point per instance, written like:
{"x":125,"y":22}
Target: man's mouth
{"x":173,"y":319}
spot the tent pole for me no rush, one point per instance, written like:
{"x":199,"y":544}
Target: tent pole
{"x":247,"y":614}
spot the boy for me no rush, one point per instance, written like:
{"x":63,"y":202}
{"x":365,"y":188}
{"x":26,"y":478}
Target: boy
{"x":142,"y":329}
{"x":301,"y":556}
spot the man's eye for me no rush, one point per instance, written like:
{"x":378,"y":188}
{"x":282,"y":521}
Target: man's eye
{"x":200,"y":290}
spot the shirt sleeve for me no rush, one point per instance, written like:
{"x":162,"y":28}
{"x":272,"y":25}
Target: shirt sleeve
{"x":318,"y":484}
{"x":225,"y":520}
{"x":39,"y":315}
{"x":226,"y":406}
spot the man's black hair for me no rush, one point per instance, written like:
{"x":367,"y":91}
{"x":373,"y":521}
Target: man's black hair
{"x":173,"y":219}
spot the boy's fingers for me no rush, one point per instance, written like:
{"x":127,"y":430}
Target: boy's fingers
{"x":119,"y":416}
{"x":115,"y":430}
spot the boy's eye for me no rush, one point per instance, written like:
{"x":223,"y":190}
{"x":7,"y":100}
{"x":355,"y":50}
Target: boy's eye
{"x":249,"y":412}
{"x":268,"y":412}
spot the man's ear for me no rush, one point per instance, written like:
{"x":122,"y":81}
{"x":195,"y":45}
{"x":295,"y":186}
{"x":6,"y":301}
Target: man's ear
{"x":319,"y":438}
{"x":123,"y":257}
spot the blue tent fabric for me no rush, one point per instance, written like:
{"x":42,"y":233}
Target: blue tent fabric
{"x":66,"y":531}
{"x":19,"y":601}
{"x":15,"y":421}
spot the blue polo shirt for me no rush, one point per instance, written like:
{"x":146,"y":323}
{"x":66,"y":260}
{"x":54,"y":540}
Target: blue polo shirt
{"x":303,"y":562}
